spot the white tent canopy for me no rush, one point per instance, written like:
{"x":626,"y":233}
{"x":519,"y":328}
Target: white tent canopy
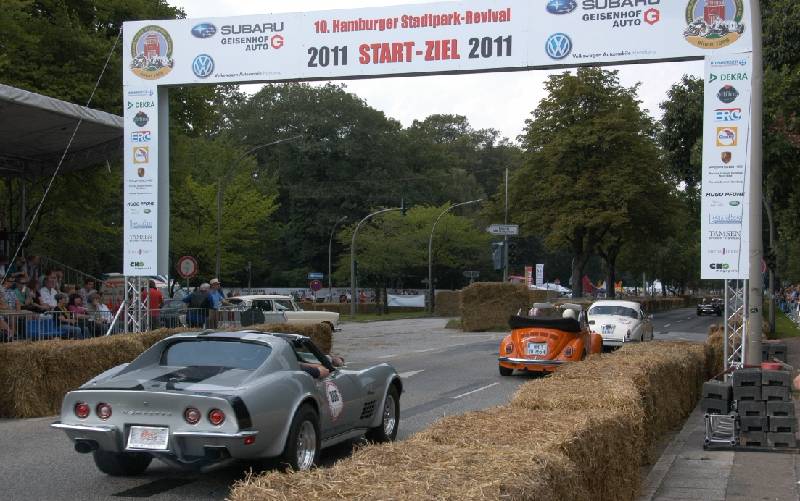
{"x":35,"y":129}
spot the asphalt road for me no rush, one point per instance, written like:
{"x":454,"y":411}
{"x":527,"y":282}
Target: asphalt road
{"x":444,"y":372}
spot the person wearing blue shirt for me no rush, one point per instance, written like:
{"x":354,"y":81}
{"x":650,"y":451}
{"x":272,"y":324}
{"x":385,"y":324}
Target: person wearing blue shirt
{"x":217,"y":295}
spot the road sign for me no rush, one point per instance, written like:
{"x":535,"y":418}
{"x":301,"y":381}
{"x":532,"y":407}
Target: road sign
{"x":187,"y":267}
{"x":504,"y":229}
{"x":315,"y":275}
{"x":472,"y":274}
{"x":315,"y":285}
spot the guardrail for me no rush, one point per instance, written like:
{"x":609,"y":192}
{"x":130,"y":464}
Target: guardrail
{"x":19,"y":326}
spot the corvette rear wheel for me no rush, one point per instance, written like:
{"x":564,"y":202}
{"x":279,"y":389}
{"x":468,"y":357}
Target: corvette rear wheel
{"x":387,"y":430}
{"x":505,"y":371}
{"x":303,"y":443}
{"x":122,"y":464}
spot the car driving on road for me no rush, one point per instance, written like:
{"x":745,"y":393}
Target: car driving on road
{"x":710,"y":306}
{"x":200,"y":398}
{"x":294,"y":314}
{"x":620,"y":322}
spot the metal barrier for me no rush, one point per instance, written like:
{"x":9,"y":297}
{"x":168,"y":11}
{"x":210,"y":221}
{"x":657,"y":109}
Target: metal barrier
{"x":28,"y":326}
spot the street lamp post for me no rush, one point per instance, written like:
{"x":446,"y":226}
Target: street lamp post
{"x":431,"y":291}
{"x":220,"y":189}
{"x":330,"y":246}
{"x":353,"y":298}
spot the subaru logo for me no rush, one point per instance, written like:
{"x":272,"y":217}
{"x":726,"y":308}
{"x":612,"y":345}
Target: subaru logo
{"x":204,"y":30}
{"x":203,"y":66}
{"x":561,"y":6}
{"x":558,"y":46}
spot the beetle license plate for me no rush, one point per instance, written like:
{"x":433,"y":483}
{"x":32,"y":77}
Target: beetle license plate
{"x":537,"y":348}
{"x":148,"y":437}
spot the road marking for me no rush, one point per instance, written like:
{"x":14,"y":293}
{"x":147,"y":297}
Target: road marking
{"x":425,"y":351}
{"x":475,"y":391}
{"x":387,"y":356}
{"x":408,"y":374}
{"x":666,"y":325}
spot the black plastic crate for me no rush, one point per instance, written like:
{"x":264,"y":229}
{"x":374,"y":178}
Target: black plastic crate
{"x":722,"y":390}
{"x":747,"y":377}
{"x":753,"y":439}
{"x":764,"y":352}
{"x":750,"y":424}
{"x":754,"y":409}
{"x":777,"y":350}
{"x":782,"y":424}
{"x":747,"y":393}
{"x":776,"y":378}
{"x":775,"y":393}
{"x":780,"y":409}
{"x":715,"y":406}
{"x":781,"y":440}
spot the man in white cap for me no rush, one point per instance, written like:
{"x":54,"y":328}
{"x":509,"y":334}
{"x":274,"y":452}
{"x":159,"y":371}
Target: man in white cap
{"x":217,"y":295}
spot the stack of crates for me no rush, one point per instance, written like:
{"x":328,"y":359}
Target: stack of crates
{"x":773,"y":350}
{"x":766,"y":412}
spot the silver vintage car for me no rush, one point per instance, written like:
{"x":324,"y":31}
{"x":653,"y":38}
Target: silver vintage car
{"x":205,"y":397}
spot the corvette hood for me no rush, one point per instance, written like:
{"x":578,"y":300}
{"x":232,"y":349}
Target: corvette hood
{"x":194,"y":378}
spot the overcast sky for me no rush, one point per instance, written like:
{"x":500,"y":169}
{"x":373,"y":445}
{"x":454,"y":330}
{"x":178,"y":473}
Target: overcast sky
{"x":406,"y":99}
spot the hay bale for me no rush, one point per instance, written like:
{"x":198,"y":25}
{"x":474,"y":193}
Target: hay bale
{"x":37,"y":375}
{"x":487,"y":306}
{"x":406,"y":470}
{"x":448,"y":303}
{"x":601,"y":443}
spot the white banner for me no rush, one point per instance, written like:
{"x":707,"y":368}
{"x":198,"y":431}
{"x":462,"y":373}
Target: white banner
{"x":140,"y":181}
{"x":726,"y":155}
{"x":475,"y":35}
{"x":416,"y":301}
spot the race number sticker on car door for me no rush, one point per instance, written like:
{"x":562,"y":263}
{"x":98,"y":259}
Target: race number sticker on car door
{"x":335,"y":401}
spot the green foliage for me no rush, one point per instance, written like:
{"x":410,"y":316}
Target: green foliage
{"x":392,"y":249}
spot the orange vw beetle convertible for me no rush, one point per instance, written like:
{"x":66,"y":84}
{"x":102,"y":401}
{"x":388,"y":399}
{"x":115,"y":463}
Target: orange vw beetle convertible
{"x":549,"y":337}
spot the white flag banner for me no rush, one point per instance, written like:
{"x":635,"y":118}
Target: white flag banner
{"x":726,"y":157}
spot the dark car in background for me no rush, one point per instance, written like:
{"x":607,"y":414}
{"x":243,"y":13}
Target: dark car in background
{"x":710,"y":306}
{"x":173,"y":314}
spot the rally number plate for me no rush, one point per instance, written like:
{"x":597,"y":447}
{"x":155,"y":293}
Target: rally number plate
{"x":148,"y":437}
{"x":537,"y":348}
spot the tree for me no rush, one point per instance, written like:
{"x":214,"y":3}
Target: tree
{"x":590,"y":166}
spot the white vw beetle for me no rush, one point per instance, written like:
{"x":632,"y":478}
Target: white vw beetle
{"x":620,"y":322}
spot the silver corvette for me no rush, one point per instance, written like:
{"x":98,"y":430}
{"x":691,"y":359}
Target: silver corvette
{"x":206,"y":397}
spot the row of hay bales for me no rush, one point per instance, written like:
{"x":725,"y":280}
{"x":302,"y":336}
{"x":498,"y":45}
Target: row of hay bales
{"x":36,"y":375}
{"x":579,"y":434}
{"x":487,"y":306}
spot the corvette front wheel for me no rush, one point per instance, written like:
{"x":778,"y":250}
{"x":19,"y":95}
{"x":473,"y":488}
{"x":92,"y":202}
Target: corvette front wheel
{"x":387,"y":430}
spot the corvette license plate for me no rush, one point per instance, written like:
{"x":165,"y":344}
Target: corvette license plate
{"x":148,"y":437}
{"x":537,"y":348}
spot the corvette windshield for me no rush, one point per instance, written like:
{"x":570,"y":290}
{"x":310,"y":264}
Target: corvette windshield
{"x":619,"y":311}
{"x":213,"y":353}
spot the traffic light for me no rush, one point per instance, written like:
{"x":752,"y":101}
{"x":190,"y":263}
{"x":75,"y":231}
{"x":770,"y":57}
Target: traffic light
{"x":497,"y":255}
{"x":771,"y":259}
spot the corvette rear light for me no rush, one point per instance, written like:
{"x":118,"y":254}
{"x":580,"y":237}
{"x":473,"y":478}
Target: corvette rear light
{"x":250,"y":440}
{"x":216,"y":417}
{"x":191,"y":415}
{"x":103,"y":411}
{"x":82,"y":410}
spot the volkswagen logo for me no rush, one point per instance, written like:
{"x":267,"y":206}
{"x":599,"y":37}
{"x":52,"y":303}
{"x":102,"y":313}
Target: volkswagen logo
{"x":558,"y":46}
{"x":203,"y":66}
{"x":561,"y":6}
{"x":204,"y":30}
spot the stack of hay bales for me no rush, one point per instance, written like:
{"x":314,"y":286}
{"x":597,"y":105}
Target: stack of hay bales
{"x":488,"y":306}
{"x":37,"y":375}
{"x":448,"y":303}
{"x":580,"y":434}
